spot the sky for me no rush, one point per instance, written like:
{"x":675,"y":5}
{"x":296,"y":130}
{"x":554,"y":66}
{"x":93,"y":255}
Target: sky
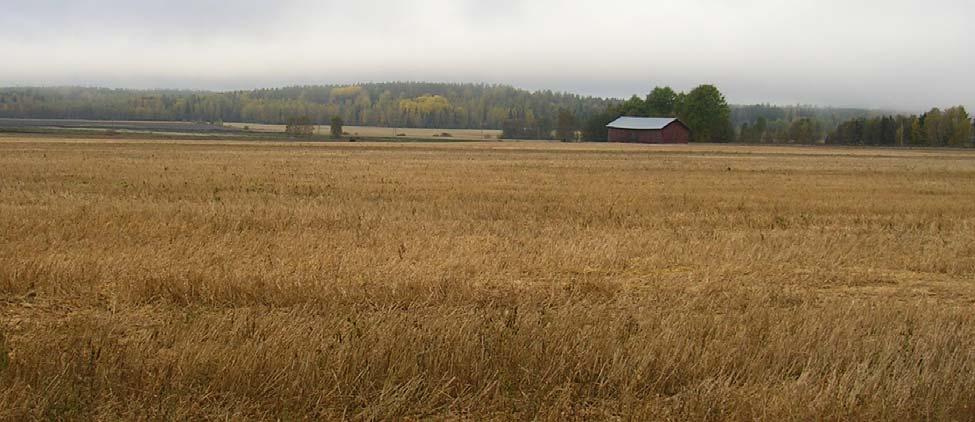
{"x":906,"y":55}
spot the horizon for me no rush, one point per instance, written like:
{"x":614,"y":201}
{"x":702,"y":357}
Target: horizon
{"x":876,"y":54}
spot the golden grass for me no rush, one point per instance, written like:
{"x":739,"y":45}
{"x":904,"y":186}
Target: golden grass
{"x":196,"y":280}
{"x":386,"y":132}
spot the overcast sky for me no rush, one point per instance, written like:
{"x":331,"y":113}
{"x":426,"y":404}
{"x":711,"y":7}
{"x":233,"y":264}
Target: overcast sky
{"x":901,"y":54}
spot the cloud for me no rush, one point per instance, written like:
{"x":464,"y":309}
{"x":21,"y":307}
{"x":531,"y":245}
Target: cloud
{"x":891,"y":53}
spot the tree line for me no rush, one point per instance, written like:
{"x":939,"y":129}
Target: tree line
{"x":712,"y":119}
{"x":764,"y":123}
{"x":399,"y":104}
{"x":952,"y":127}
{"x":518,"y":113}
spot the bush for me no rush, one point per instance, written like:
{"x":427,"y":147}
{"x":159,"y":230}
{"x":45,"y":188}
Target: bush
{"x":300,"y":126}
{"x":336,"y":128}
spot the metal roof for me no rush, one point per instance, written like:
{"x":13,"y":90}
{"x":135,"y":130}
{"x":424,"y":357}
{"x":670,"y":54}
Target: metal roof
{"x":642,"y":123}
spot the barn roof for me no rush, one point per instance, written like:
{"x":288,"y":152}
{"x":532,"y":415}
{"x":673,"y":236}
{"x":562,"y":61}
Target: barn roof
{"x":642,"y":123}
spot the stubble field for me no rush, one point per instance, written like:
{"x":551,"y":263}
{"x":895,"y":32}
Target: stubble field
{"x":221,"y":280}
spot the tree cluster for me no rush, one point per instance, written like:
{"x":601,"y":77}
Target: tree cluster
{"x":300,"y":126}
{"x":704,"y":110}
{"x":803,"y":130}
{"x":951,"y":127}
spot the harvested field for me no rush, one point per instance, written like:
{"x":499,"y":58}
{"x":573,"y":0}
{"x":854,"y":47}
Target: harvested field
{"x":222,"y":280}
{"x":121,"y":125}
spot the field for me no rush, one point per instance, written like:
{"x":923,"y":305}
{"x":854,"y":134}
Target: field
{"x":228,"y":131}
{"x":234,"y":280}
{"x":116,"y":125}
{"x":385,"y":132}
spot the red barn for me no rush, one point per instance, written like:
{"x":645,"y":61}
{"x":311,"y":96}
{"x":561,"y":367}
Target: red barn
{"x":649,"y":130}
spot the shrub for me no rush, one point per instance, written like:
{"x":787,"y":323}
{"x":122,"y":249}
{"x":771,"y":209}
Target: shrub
{"x":336,"y":128}
{"x":300,"y":126}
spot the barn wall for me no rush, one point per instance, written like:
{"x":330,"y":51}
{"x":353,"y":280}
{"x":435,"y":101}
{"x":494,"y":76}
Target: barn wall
{"x":674,"y":133}
{"x":621,"y":135}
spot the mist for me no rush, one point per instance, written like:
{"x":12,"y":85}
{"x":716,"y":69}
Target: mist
{"x":893,"y":54}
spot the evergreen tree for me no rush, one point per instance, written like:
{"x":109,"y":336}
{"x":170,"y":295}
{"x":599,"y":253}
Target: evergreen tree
{"x":566,"y":127}
{"x":745,"y":134}
{"x":595,"y":128}
{"x":761,"y":126}
{"x":917,"y":132}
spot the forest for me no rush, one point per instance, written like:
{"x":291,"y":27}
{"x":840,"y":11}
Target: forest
{"x":398,"y":104}
{"x":521,"y":114}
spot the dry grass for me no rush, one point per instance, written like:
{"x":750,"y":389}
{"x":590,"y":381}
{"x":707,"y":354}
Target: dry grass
{"x":484,"y":281}
{"x":385,"y":132}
